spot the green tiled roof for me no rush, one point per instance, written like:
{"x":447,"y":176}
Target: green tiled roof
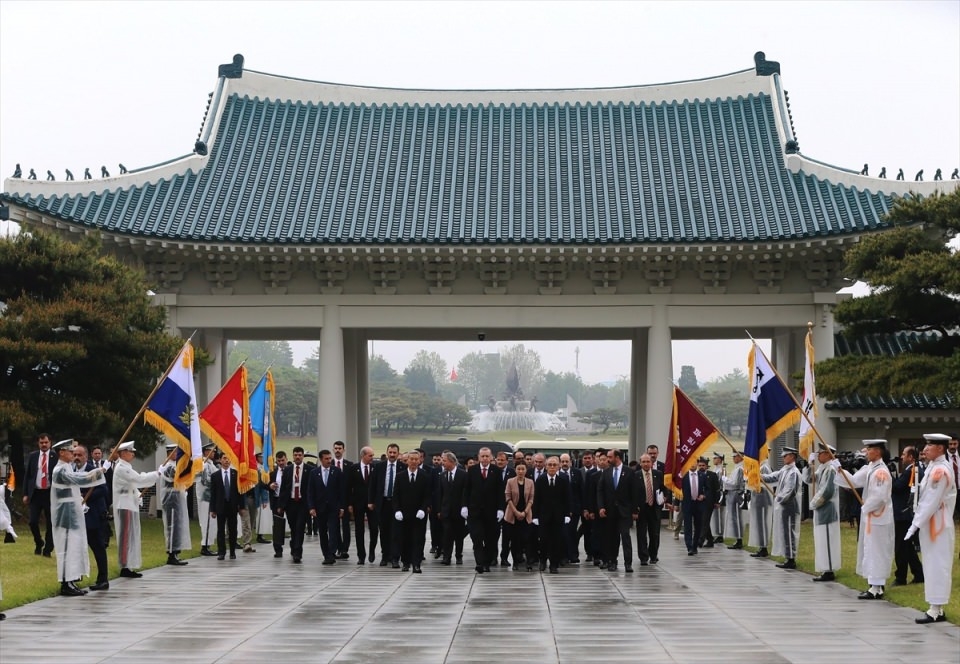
{"x":616,"y":172}
{"x":889,"y":345}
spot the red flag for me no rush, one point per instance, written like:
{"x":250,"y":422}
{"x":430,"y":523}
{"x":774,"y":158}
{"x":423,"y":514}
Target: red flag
{"x":226,"y":420}
{"x":690,"y":432}
{"x":453,"y":375}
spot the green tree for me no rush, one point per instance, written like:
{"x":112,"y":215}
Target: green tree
{"x":379,"y":372}
{"x":604,"y":417}
{"x":915,"y":287}
{"x":528,"y":366}
{"x":688,"y":379}
{"x":555,"y":388}
{"x":80,"y":342}
{"x":266,"y":353}
{"x":432,"y":362}
{"x":419,"y":379}
{"x":481,"y":377}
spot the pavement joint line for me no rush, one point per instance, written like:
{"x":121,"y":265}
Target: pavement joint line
{"x":463,"y":609}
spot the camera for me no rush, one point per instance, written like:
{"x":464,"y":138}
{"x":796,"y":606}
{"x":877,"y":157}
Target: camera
{"x":481,"y":336}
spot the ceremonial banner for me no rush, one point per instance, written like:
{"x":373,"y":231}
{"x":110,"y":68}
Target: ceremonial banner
{"x":262,"y":404}
{"x":772,"y":411}
{"x":226,"y":420}
{"x":809,"y":403}
{"x":172,"y":410}
{"x":690,"y":433}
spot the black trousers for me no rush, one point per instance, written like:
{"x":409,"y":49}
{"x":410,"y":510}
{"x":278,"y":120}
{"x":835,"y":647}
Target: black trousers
{"x":408,"y":538}
{"x":278,"y":532}
{"x":454,"y":532}
{"x":648,"y":533}
{"x":905,"y":553}
{"x":40,"y":503}
{"x":387,"y":523}
{"x":365,"y":519}
{"x":345,"y":532}
{"x":95,"y":542}
{"x":520,"y":541}
{"x":571,"y":541}
{"x":551,"y":542}
{"x":297,"y":518}
{"x":484,"y":531}
{"x":226,"y":524}
{"x":618,"y":534}
{"x":329,"y":523}
{"x":692,"y":524}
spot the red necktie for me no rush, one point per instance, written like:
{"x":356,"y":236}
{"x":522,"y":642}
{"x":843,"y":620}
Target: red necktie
{"x":43,"y":470}
{"x":483,"y":471}
{"x":956,"y":469}
{"x":366,"y":473}
{"x":296,"y":483}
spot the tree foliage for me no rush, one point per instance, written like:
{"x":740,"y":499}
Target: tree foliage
{"x":603,"y":417}
{"x":433,"y":363}
{"x":688,"y":379}
{"x":915,"y":288}
{"x":81,"y":344}
{"x":267,"y":353}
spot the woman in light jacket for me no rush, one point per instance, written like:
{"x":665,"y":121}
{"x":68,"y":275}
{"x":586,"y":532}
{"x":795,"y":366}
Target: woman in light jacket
{"x":519,"y":514}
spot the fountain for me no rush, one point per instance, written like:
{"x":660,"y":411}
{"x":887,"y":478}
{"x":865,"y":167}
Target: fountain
{"x":514,"y":412}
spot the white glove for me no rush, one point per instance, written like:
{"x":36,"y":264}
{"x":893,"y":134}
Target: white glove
{"x":421,"y":514}
{"x":398,"y":515}
{"x":86,"y":508}
{"x":812,"y":458}
{"x":566,"y":520}
{"x":499,"y":515}
{"x":911,"y":531}
{"x":536,"y":522}
{"x":835,"y":463}
{"x":659,"y":498}
{"x":463,"y":512}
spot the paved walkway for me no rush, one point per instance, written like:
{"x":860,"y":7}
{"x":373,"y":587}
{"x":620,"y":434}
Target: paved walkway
{"x":720,"y":606}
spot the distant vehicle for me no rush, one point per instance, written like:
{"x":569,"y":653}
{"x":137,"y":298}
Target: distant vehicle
{"x":572,"y":447}
{"x":464,"y":448}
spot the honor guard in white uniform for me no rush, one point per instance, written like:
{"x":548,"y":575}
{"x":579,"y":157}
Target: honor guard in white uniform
{"x":69,"y":526}
{"x":761,"y":516}
{"x":734,"y":486}
{"x":126,"y":508}
{"x":933,"y":519}
{"x":786,"y":510}
{"x":825,"y":503}
{"x":6,"y":526}
{"x":718,"y":518}
{"x":875,"y":542}
{"x":176,"y":520}
{"x":202,"y":484}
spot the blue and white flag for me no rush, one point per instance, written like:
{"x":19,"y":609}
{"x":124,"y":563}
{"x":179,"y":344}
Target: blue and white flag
{"x":773,"y":410}
{"x":172,"y":410}
{"x":262,"y":402}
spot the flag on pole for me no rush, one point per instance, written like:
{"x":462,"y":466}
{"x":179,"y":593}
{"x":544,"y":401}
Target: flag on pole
{"x":453,"y":375}
{"x":809,"y":403}
{"x":172,"y":410}
{"x":226,"y":420}
{"x":11,"y":481}
{"x":772,"y":411}
{"x":262,"y":404}
{"x":690,"y":433}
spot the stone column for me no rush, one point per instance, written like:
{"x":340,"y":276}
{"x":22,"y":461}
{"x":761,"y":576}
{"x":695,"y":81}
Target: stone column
{"x":363,"y":394}
{"x":332,"y":400}
{"x":823,"y":349}
{"x":214,"y":375}
{"x":638,"y":394}
{"x":659,"y":397}
{"x":351,"y":349}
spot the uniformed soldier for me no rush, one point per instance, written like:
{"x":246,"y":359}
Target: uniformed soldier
{"x":786,"y":511}
{"x":825,"y":503}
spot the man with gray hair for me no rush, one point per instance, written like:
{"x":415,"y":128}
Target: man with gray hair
{"x":453,"y":482}
{"x":358,"y":490}
{"x":484,"y":503}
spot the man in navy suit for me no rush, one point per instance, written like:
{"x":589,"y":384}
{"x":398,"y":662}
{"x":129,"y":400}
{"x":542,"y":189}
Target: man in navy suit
{"x":292,"y":501}
{"x":36,"y":495}
{"x":484,"y":502}
{"x":95,"y":518}
{"x":225,"y":500}
{"x":325,"y":501}
{"x":571,"y":544}
{"x":380,"y":502}
{"x":412,"y":500}
{"x":694,"y":485}
{"x":618,"y":501}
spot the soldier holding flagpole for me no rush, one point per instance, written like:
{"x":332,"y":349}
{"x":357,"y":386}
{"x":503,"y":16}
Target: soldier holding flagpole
{"x":825,"y":503}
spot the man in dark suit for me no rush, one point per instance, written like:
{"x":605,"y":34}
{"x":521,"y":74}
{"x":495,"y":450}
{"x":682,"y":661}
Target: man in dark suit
{"x":359,"y":478}
{"x":692,"y":504}
{"x":484,"y":503}
{"x":571,"y":544}
{"x":411,"y":501}
{"x":551,"y":513}
{"x":436,"y":498}
{"x":225,"y":500}
{"x":618,"y":501}
{"x":905,"y":550}
{"x":343,"y":465}
{"x":506,"y":472}
{"x":380,"y":502}
{"x":453,"y":484}
{"x":292,"y":501}
{"x":651,"y":492}
{"x":36,"y":495}
{"x":596,"y":544}
{"x":714,"y":493}
{"x":585,"y":530}
{"x":325,"y":500}
{"x":279,"y":530}
{"x":95,"y":518}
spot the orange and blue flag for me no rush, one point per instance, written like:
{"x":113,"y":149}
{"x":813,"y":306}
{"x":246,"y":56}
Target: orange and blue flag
{"x":773,"y":410}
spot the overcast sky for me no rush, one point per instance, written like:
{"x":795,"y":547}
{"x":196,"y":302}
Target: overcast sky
{"x":85,"y":84}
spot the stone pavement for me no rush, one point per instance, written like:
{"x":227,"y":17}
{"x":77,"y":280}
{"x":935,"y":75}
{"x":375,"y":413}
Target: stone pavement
{"x":719,"y":606}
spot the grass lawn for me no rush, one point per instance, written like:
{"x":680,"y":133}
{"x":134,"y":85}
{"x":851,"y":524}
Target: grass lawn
{"x":27,"y":577}
{"x":908,"y":595}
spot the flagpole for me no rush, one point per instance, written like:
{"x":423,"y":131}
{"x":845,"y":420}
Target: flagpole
{"x":813,"y":428}
{"x":806,"y":361}
{"x":113,"y":452}
{"x":721,"y":434}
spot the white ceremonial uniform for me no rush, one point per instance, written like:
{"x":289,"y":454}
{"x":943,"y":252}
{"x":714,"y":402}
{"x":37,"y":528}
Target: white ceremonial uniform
{"x":734,"y":484}
{"x":69,"y":527}
{"x":761,"y":514}
{"x":6,"y":521}
{"x":718,"y":518}
{"x":875,"y":543}
{"x":202,"y":484}
{"x":933,"y":518}
{"x":825,"y":503}
{"x":126,"y":510}
{"x":786,"y":510}
{"x":176,"y":520}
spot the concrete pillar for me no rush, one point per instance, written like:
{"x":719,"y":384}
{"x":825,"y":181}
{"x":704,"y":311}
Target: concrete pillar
{"x":214,"y":375}
{"x":823,"y":349}
{"x":332,"y":400}
{"x":638,"y":393}
{"x":363,"y":392}
{"x":351,"y":348}
{"x":659,"y":397}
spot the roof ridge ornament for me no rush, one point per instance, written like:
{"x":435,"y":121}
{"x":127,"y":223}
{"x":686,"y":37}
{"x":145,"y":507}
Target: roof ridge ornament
{"x":233,"y":69}
{"x":765,"y":67}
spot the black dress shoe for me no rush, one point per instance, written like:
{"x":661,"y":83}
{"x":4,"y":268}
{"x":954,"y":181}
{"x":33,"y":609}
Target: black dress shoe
{"x":718,"y":540}
{"x":361,"y":562}
{"x":130,"y":574}
{"x":69,"y":590}
{"x":543,"y":566}
{"x":486,"y":568}
{"x":221,"y":557}
{"x":384,"y":562}
{"x":738,"y":545}
{"x":372,"y":557}
{"x":100,"y":585}
{"x":445,"y":561}
{"x":205,"y":551}
{"x":478,"y":569}
{"x":898,"y":582}
{"x":554,"y":570}
{"x":396,"y":565}
{"x":762,"y":553}
{"x":529,"y":568}
{"x":866,"y":594}
{"x":917,"y":580}
{"x":173,"y":560}
{"x":826,"y":576}
{"x":406,"y":568}
{"x":612,"y":567}
{"x":344,"y":556}
{"x":262,"y":540}
{"x":278,"y":554}
{"x":654,"y":561}
{"x":416,"y":569}
{"x":926,"y":619}
{"x":628,"y":569}
{"x":233,"y":556}
{"x":38,"y":550}
{"x":47,"y":554}
{"x":296,"y":561}
{"x":691,"y":552}
{"x":459,"y":561}
{"x":708,"y":545}
{"x":790,"y":563}
{"x":328,"y":561}
{"x":82,"y":591}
